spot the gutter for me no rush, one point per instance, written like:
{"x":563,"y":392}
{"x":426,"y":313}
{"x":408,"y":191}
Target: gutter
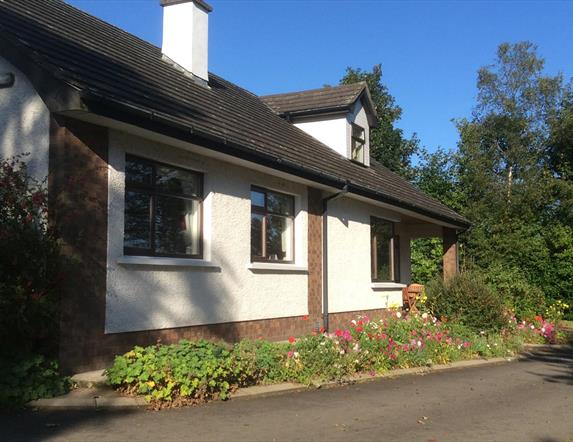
{"x":325,"y":202}
{"x":141,"y":117}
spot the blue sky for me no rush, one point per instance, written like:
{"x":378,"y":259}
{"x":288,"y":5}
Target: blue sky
{"x":429,"y":50}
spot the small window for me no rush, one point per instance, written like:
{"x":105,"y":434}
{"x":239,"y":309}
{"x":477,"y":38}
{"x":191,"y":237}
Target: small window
{"x":384,"y":251}
{"x":358,"y":143}
{"x":272,"y":226}
{"x":162,"y":210}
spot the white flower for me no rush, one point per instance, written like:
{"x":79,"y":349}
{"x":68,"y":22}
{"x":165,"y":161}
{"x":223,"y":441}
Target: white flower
{"x":532,"y":326}
{"x":356,"y":347}
{"x":424,"y":316}
{"x":353,"y":322}
{"x":295,"y":354}
{"x":398,"y":314}
{"x":543,"y":330}
{"x":342,"y":351}
{"x":419,"y":343}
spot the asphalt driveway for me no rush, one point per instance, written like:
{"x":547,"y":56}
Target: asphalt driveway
{"x":529,"y":400}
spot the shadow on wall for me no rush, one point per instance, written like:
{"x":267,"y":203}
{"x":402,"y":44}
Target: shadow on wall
{"x":24,"y":125}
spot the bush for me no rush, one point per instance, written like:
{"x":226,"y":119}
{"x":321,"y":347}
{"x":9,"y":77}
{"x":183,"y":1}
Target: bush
{"x":28,"y":378}
{"x":29,"y":264}
{"x":468,"y":300}
{"x":187,"y":372}
{"x":526,"y":300}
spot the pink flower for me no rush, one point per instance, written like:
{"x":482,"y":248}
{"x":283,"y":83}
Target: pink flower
{"x":290,"y":354}
{"x":467,"y":344}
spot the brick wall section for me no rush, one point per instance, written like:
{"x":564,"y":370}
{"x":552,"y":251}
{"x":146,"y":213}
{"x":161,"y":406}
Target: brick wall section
{"x":77,"y":186}
{"x":450,"y":257}
{"x":341,"y":320}
{"x":315,"y":257}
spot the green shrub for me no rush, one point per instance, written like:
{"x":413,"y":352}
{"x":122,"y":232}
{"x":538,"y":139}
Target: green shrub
{"x":466,"y":299}
{"x":29,"y":264}
{"x":28,"y":378}
{"x":184,"y":372}
{"x":259,"y":361}
{"x":523,"y":298}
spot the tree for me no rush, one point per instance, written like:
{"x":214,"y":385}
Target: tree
{"x":387,"y":142}
{"x":511,"y":187}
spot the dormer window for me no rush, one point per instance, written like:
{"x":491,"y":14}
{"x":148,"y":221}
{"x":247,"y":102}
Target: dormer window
{"x":358,"y":143}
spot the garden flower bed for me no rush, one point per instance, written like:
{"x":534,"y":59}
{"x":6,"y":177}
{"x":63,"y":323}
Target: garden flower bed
{"x":193,"y":372}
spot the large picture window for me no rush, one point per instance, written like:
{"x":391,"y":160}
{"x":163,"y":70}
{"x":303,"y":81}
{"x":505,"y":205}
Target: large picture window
{"x":162,"y":210}
{"x":272,"y":226}
{"x":384,"y":251}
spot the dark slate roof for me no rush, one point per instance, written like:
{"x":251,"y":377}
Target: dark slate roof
{"x":327,"y":98}
{"x":119,"y":75}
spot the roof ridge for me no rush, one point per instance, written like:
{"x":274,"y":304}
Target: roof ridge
{"x":324,"y":88}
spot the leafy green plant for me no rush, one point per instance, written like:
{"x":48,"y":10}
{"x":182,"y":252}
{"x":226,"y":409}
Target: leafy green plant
{"x":187,"y":372}
{"x":468,"y":300}
{"x":23,"y":379}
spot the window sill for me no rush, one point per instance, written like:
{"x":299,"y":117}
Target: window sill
{"x":276,"y":268}
{"x":387,"y":285}
{"x":166,"y":262}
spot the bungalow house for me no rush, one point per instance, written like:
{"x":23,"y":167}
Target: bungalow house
{"x":192,"y":208}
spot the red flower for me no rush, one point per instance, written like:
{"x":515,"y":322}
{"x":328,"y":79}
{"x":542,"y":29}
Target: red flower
{"x":358,"y":329}
{"x":321,"y":330}
{"x":291,"y":339}
{"x":538,"y":318}
{"x":338,"y":333}
{"x":305,"y":318}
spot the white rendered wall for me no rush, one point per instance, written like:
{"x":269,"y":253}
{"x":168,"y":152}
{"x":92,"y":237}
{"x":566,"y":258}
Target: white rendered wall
{"x":24,"y":123}
{"x":331,"y":131}
{"x":156,"y":297}
{"x":349,"y":272}
{"x":186,"y":37}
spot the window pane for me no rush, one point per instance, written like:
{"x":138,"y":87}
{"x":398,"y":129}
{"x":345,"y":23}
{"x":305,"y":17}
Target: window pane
{"x":280,"y":204}
{"x":258,"y":199}
{"x":257,"y":234}
{"x":357,"y":151}
{"x":382,"y":233}
{"x":357,"y":132}
{"x":279,"y":238}
{"x":182,"y":182}
{"x":138,"y":172}
{"x":137,"y":231}
{"x":177,"y":226}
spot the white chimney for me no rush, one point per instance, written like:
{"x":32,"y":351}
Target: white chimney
{"x":186,"y":35}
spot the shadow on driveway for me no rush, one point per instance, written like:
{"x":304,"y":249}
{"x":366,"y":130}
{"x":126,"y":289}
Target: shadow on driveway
{"x":558,"y":363}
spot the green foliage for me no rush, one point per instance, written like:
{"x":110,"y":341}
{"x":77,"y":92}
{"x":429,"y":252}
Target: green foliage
{"x":29,"y":264}
{"x":186,"y":372}
{"x":387,"y":142}
{"x":426,"y":255}
{"x":523,"y":298}
{"x":511,"y":177}
{"x":23,"y":379}
{"x":466,"y":299}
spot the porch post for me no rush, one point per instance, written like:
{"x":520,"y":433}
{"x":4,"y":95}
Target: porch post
{"x":450,"y":256}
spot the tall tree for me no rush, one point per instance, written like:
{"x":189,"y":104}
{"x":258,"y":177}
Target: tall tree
{"x":387,"y":142}
{"x":510,"y":190}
